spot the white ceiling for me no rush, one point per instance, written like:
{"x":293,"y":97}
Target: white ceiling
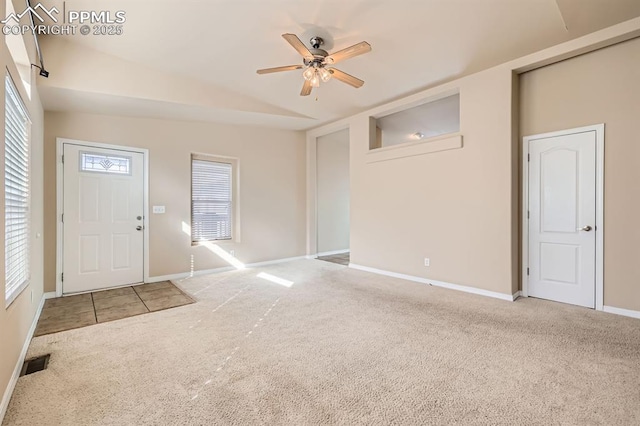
{"x":220,"y":44}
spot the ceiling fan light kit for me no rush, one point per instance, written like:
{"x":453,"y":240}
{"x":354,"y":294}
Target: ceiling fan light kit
{"x":315,"y":61}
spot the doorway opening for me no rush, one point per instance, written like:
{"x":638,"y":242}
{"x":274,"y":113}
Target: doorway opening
{"x":333,"y":197}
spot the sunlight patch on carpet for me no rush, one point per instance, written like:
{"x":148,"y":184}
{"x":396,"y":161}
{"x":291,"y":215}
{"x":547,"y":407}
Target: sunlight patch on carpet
{"x":274,"y":279}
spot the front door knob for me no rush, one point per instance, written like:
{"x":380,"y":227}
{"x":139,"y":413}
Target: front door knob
{"x":138,"y":228}
{"x":586,"y":228}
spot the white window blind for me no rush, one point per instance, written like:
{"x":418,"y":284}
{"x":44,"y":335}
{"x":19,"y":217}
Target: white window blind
{"x":211,"y":200}
{"x":16,"y":186}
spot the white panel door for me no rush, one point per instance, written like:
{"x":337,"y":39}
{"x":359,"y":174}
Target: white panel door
{"x":562,"y":218}
{"x":103,"y":218}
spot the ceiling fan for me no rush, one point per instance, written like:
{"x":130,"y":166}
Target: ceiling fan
{"x":316,"y":60}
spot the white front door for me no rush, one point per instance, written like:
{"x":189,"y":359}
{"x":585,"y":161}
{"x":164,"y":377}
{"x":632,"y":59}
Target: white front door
{"x":562,"y":218}
{"x":103,"y":221}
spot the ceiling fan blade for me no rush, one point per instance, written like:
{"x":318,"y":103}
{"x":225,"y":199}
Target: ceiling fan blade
{"x":346,"y":78}
{"x":279,"y":69}
{"x":306,"y":88}
{"x":349,"y":52}
{"x":298,"y":45}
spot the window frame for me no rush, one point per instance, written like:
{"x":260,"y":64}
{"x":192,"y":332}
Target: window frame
{"x":82,"y":167}
{"x":13,"y":294}
{"x":235,"y":205}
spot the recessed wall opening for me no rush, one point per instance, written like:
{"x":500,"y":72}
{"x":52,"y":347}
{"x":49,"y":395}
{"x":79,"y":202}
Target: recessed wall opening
{"x":333,"y":199}
{"x":428,"y":120}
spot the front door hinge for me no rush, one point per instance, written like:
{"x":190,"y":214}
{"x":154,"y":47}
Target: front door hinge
{"x":62,"y":276}
{"x":528,"y":157}
{"x":62,"y":159}
{"x":528,"y":214}
{"x":527,"y":271}
{"x":62,"y":217}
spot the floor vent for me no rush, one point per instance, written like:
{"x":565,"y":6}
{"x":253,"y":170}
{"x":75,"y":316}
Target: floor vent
{"x":35,"y":364}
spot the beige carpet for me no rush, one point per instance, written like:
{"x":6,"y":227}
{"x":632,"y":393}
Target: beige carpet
{"x":338,"y":347}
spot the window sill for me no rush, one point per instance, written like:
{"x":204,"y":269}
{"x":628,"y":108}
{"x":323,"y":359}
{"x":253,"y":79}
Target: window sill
{"x":9,"y":299}
{"x":410,"y":149}
{"x":208,"y":242}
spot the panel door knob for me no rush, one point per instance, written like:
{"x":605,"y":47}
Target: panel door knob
{"x":586,"y":228}
{"x":138,"y":228}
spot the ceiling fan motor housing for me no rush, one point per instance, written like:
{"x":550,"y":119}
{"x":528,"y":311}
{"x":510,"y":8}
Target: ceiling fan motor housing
{"x":318,"y":54}
{"x":318,"y":57}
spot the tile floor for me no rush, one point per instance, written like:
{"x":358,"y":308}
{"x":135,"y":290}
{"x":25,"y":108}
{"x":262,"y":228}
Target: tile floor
{"x":342,"y":258}
{"x":65,"y":313}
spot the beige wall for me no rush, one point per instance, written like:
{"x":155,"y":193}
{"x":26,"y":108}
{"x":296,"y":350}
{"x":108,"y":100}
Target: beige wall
{"x":600,"y":87}
{"x":16,"y":320}
{"x":272,"y":186}
{"x":460,"y":207}
{"x":454,"y":207}
{"x":333,"y":191}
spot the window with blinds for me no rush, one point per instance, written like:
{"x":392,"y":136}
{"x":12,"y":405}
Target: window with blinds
{"x":16,"y":189}
{"x":211,"y":199}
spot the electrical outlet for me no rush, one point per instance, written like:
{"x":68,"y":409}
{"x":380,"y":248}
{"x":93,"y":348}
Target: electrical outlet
{"x":158,"y":209}
{"x":232,"y":252}
{"x":427,"y":262}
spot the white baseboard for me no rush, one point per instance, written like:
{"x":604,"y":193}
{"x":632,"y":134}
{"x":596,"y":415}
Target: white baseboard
{"x":517,"y":294}
{"x":466,"y":289}
{"x":6,"y":398}
{"x":184,"y":275}
{"x":620,"y":311}
{"x":331,"y":253}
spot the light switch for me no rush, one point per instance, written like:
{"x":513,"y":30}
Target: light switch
{"x":158,"y":209}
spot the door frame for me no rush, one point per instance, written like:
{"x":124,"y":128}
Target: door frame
{"x":60,"y":202}
{"x":599,"y":260}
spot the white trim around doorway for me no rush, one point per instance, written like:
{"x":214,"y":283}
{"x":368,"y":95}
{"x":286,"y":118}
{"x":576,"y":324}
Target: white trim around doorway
{"x":599,"y":129}
{"x":60,"y":202}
